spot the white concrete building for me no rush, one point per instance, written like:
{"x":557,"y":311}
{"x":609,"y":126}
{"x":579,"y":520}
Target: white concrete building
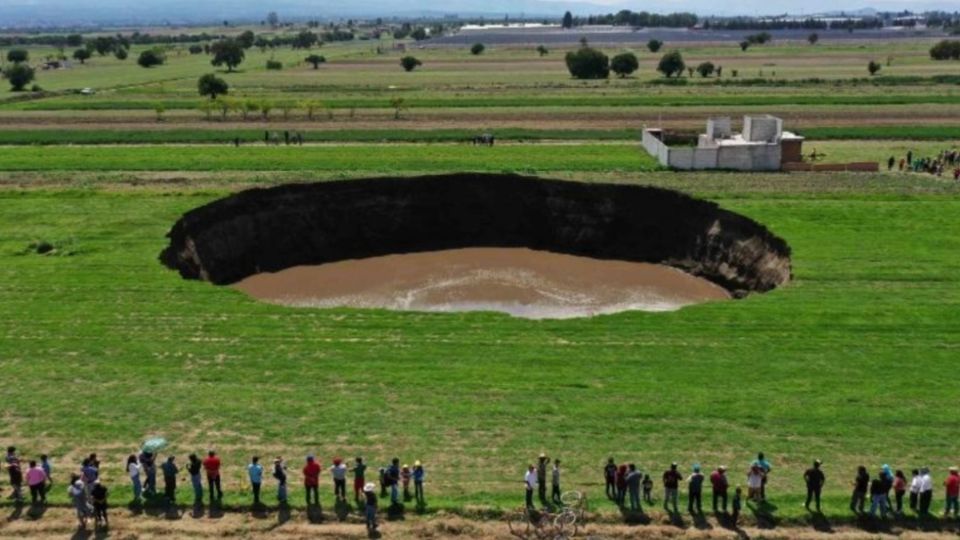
{"x":762,"y":146}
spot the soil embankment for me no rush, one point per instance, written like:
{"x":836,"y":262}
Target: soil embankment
{"x":268,"y":230}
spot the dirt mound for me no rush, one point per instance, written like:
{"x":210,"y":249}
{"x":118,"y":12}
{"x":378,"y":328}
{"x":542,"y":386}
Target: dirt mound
{"x":267,"y":230}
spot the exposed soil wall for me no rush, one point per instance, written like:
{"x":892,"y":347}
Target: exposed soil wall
{"x":266,"y":230}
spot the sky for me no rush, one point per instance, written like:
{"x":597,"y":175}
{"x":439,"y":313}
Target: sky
{"x":85,"y":12}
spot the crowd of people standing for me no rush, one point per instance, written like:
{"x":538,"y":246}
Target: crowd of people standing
{"x":946,"y":161}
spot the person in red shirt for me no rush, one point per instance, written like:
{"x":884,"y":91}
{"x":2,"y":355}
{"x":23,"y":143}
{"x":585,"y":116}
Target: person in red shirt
{"x":212,"y":466}
{"x":718,"y":480}
{"x":953,"y":492}
{"x":311,"y":479}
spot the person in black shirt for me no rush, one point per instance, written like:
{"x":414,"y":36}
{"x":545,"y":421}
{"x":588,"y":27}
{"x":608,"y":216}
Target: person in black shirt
{"x":815,"y":479}
{"x":609,"y":473}
{"x":280,"y":473}
{"x":878,"y":496}
{"x":860,"y":485}
{"x":99,"y":496}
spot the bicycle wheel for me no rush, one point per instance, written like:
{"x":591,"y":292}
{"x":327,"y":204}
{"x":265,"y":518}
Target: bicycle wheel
{"x":571,"y":498}
{"x":518,"y":523}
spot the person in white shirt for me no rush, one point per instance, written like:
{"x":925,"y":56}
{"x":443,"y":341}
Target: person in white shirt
{"x":133,"y":469}
{"x":915,"y":490}
{"x":926,"y":491}
{"x":530,"y":480}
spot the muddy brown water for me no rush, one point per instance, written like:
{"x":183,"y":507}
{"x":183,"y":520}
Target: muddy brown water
{"x":517,"y":281}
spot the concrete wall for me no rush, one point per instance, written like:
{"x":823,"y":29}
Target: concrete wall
{"x":760,"y":157}
{"x":719,"y":128}
{"x":762,"y":128}
{"x":741,"y":158}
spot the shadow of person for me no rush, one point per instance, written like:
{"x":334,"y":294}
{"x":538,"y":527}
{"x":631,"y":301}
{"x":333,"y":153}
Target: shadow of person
{"x":36,"y":511}
{"x":259,"y":511}
{"x":283,"y":513}
{"x":314,"y":513}
{"x":700,"y":521}
{"x":342,"y":509}
{"x":173,"y":512}
{"x":395,"y":512}
{"x":634,"y":517}
{"x":215,"y":511}
{"x":820,"y":523}
{"x":763,"y":513}
{"x":17,"y":511}
{"x":197,"y":511}
{"x":676,"y":519}
{"x":421,"y":507}
{"x":374,"y":533}
{"x":81,"y":533}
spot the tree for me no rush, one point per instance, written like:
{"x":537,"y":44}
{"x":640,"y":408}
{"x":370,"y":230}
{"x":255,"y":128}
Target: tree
{"x":744,"y":45}
{"x":121,"y":53}
{"x":196,"y":49}
{"x":19,"y":76}
{"x":304,"y":40}
{"x":410,"y":63}
{"x":706,"y":69}
{"x":654,"y":45}
{"x":104,"y":45}
{"x":246,"y":39}
{"x":74,"y":40}
{"x":477,"y":49}
{"x":211,"y":85}
{"x":813,"y":38}
{"x":946,"y":50}
{"x":227,"y":52}
{"x":567,"y":20}
{"x":399,"y":105}
{"x":273,"y":19}
{"x":151,"y":57}
{"x":671,"y":64}
{"x":542,"y":50}
{"x":873,"y":67}
{"x":275,"y":65}
{"x":624,"y":64}
{"x":419,"y":34}
{"x":588,"y":63}
{"x":316,"y":60}
{"x":17,"y":56}
{"x":81,"y":54}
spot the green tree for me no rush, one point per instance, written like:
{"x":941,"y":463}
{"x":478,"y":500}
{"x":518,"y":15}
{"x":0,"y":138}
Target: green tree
{"x":873,"y":67}
{"x":82,"y":55}
{"x":567,"y":20}
{"x":151,"y":57}
{"x":744,"y":45}
{"x":18,"y":56}
{"x":410,"y":63}
{"x":419,"y":34}
{"x":211,"y":85}
{"x":654,"y":45}
{"x":399,"y":105}
{"x":588,"y":63}
{"x":305,"y":39}
{"x":74,"y":40}
{"x":477,"y":49}
{"x":671,"y":64}
{"x":19,"y":76}
{"x":543,"y":51}
{"x":246,"y":39}
{"x":121,"y":53}
{"x":706,"y":69}
{"x":624,"y":64}
{"x":316,"y":60}
{"x":196,"y":49}
{"x":813,"y":38}
{"x":227,"y":52}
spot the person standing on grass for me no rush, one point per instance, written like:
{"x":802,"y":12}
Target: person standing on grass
{"x":754,"y":483}
{"x":383,"y":482}
{"x":99,"y":496}
{"x":170,"y":471}
{"x":814,"y":479}
{"x":359,"y":478}
{"x":737,"y":504}
{"x":890,"y":162}
{"x":78,"y":496}
{"x":887,"y":474}
{"x":47,"y":470}
{"x":671,"y":487}
{"x":311,"y":480}
{"x":609,"y":476}
{"x":555,"y":483}
{"x":765,"y":467}
{"x":211,"y":465}
{"x":878,"y":497}
{"x":418,"y":476}
{"x":393,"y":478}
{"x":542,"y":478}
{"x":37,"y":482}
{"x":370,"y":507}
{"x":255,"y":472}
{"x":647,"y":489}
{"x":194,"y":468}
{"x":133,"y":469}
{"x":621,"y":481}
{"x":339,"y":473}
{"x":718,"y":481}
{"x":633,"y":487}
{"x":899,"y":488}
{"x":860,"y":485}
{"x":530,"y":482}
{"x":952,"y":484}
{"x":695,"y":491}
{"x":15,"y":472}
{"x":280,"y":473}
{"x":926,"y":491}
{"x":915,"y":490}
{"x":405,"y":476}
{"x":90,"y":472}
{"x":149,"y":469}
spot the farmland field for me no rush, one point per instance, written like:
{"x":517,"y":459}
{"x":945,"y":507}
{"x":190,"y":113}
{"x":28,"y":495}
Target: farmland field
{"x":851,"y":362}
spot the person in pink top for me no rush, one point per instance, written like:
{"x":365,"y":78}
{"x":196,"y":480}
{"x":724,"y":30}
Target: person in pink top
{"x":37,"y":482}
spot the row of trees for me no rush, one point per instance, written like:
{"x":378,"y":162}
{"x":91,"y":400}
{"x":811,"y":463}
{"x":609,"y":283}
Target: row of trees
{"x":946,"y":50}
{"x":635,"y":19}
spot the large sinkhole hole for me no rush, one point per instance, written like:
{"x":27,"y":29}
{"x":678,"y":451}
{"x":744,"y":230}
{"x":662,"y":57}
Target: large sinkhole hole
{"x":468,"y":242}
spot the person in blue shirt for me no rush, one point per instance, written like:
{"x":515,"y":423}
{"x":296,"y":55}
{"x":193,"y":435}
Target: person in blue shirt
{"x":255,"y":471}
{"x":170,"y":471}
{"x":48,"y":469}
{"x":393,"y":478}
{"x":418,"y":475}
{"x":765,"y":467}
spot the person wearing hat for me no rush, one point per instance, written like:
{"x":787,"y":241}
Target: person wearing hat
{"x":695,"y":491}
{"x":339,"y":473}
{"x":311,"y":479}
{"x":211,"y":464}
{"x":370,"y":506}
{"x":418,"y":476}
{"x":952,"y":484}
{"x":671,"y":487}
{"x":359,"y":473}
{"x":530,"y":481}
{"x":542,"y":478}
{"x":280,"y":473}
{"x":814,"y":479}
{"x":255,"y":472}
{"x":719,"y":483}
{"x":405,"y":476}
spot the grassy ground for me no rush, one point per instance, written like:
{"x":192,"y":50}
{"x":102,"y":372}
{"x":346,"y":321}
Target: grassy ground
{"x":127,"y":349}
